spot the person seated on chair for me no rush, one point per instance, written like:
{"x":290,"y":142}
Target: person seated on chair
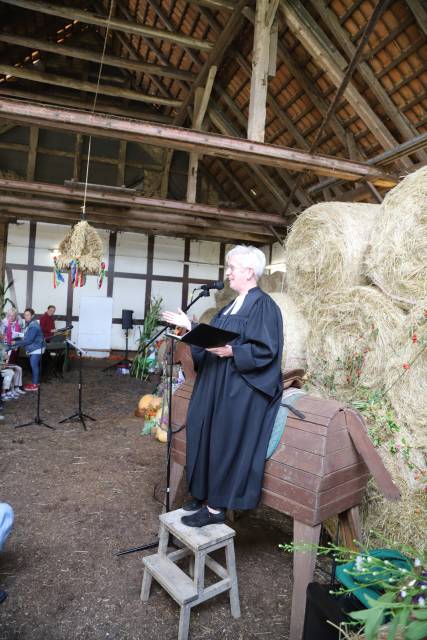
{"x":12,"y":326}
{"x":6,"y":523}
{"x":11,"y":374}
{"x":34,"y":344}
{"x":236,"y":396}
{"x":47,"y":322}
{"x":15,"y":384}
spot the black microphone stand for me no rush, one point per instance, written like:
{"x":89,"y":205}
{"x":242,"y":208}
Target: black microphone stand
{"x":151,"y":545}
{"x":79,"y":413}
{"x":37,"y":419}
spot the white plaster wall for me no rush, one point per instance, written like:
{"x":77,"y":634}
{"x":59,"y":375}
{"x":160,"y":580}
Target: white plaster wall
{"x":131,"y":257}
{"x":131,"y":253}
{"x":45,"y":294}
{"x":17,"y":243}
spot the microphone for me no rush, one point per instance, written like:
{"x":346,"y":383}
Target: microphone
{"x":212,"y":285}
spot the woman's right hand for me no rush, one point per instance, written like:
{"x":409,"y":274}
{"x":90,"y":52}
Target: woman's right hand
{"x":180,"y":319}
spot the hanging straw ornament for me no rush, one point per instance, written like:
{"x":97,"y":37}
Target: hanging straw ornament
{"x":80,"y":252}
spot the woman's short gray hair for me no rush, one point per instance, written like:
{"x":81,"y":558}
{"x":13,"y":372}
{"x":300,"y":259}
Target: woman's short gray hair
{"x":250,"y":256}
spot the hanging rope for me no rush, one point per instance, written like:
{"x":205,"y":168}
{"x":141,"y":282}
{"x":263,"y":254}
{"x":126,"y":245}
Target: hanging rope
{"x":107,"y":31}
{"x":80,"y":252}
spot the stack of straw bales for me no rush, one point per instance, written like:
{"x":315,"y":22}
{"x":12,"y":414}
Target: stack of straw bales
{"x":359,"y":273}
{"x":397,"y":258}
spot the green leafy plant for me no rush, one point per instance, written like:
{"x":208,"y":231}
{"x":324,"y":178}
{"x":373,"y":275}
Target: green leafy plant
{"x":140,"y":363}
{"x":4,"y":300}
{"x":401,"y":605}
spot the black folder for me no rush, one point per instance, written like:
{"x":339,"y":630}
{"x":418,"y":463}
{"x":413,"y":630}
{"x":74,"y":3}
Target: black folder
{"x":207,"y":336}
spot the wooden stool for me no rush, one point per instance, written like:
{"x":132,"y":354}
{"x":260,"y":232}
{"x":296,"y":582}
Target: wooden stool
{"x":198,"y":544}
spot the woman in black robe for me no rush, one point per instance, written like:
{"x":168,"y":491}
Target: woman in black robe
{"x":236,"y":397}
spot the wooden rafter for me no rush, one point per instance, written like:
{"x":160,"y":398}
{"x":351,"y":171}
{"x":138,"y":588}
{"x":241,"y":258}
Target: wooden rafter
{"x":419,"y":10}
{"x":315,"y":41}
{"x":406,"y":128}
{"x":82,"y":85}
{"x":115,"y":24}
{"x":91,"y":56}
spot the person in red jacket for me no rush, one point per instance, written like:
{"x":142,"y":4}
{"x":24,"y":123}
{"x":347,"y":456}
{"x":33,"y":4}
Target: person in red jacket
{"x":47,"y":322}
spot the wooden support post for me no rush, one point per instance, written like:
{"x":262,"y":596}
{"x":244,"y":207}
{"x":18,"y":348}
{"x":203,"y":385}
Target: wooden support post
{"x":3,"y":248}
{"x":77,"y":157}
{"x":265,"y":12}
{"x":201,"y":99}
{"x":32,"y":153}
{"x":304,"y":563}
{"x":121,"y":164}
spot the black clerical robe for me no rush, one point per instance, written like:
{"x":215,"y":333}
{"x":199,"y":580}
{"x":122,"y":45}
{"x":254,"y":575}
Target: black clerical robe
{"x":234,"y":404}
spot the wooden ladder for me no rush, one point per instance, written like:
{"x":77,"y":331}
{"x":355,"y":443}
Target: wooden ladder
{"x":190,"y":590}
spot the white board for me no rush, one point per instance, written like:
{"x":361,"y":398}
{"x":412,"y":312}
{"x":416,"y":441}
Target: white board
{"x":95,"y":322}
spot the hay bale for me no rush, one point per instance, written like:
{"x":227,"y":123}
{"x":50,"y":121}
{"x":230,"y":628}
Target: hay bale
{"x":401,"y":522}
{"x":397,"y":258}
{"x":351,"y":338}
{"x":325,"y":249}
{"x":295,"y":330}
{"x":208,"y":314}
{"x":273,"y":282}
{"x":224,"y":296}
{"x":406,"y":374}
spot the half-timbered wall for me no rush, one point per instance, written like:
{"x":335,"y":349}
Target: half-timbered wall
{"x":138,"y":267}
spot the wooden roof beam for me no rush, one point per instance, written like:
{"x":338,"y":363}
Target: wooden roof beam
{"x":82,"y":85}
{"x":106,"y":126}
{"x":110,"y":197}
{"x":92,"y":56}
{"x":146,"y":226}
{"x":115,"y":24}
{"x":80,"y":103}
{"x":128,"y":215}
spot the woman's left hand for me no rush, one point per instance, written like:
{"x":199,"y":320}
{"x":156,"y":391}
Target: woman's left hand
{"x":222,"y":352}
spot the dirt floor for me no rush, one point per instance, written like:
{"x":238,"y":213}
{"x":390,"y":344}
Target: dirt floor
{"x":80,"y":496}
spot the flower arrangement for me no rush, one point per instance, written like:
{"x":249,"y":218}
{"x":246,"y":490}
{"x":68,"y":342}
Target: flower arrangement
{"x":395,"y":586}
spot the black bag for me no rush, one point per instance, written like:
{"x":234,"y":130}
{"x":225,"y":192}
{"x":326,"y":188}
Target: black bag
{"x":323,"y":606}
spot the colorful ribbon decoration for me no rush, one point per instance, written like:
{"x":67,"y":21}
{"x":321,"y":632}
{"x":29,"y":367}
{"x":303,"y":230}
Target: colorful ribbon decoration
{"x":57,"y":275}
{"x":101,"y":275}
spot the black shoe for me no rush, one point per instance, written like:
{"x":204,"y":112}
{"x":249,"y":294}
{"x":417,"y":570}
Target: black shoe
{"x":203,"y":517}
{"x":3,"y":596}
{"x":193,"y":505}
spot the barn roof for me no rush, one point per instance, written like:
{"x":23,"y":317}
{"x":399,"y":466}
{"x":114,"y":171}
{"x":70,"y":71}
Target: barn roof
{"x":347,"y":81}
